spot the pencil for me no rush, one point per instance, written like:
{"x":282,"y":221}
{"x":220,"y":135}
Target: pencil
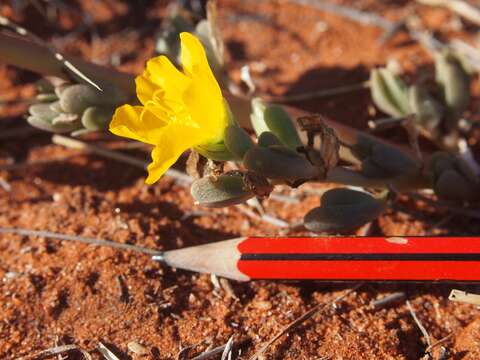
{"x":334,"y":258}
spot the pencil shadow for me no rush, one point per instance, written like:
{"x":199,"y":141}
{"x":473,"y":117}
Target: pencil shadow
{"x":99,"y":173}
{"x":179,"y":227}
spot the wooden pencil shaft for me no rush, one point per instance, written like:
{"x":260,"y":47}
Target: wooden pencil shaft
{"x":335,"y":258}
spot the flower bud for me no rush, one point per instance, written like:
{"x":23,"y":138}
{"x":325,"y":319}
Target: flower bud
{"x":389,"y":92}
{"x":279,"y":162}
{"x":274,"y":118}
{"x":224,"y":190}
{"x":343,"y":210}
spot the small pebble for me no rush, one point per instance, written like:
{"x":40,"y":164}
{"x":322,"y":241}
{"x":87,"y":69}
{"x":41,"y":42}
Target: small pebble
{"x":137,"y":348}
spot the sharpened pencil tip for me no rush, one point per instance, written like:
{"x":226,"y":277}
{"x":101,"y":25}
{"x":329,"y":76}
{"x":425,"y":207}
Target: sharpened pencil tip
{"x":159,"y":258}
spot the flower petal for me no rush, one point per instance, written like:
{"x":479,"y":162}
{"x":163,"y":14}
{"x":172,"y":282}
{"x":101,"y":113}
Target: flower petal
{"x":175,"y":140}
{"x":203,"y":97}
{"x":136,"y":122}
{"x":194,"y":61}
{"x":145,"y":88}
{"x":160,"y":74}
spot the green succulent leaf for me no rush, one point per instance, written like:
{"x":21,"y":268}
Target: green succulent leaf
{"x":43,"y":111}
{"x":97,"y":118}
{"x":221,"y":191}
{"x":75,"y":99}
{"x":279,"y":162}
{"x":454,"y":82}
{"x":267,"y":139}
{"x":428,"y":112}
{"x":389,"y":92}
{"x":393,"y":161}
{"x":273,"y":118}
{"x":237,"y":141}
{"x":343,"y":210}
{"x":451,"y":185}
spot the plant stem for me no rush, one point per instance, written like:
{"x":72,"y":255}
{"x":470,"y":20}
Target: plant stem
{"x":345,"y":176}
{"x":321,"y":93}
{"x":40,"y":59}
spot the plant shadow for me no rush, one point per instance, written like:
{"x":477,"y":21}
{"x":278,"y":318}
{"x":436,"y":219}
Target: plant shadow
{"x":99,"y":173}
{"x":349,"y":108}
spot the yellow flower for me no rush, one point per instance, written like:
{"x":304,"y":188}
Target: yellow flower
{"x":181,"y":110}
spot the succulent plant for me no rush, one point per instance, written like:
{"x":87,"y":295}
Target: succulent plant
{"x":436,"y":114}
{"x":76,"y":108}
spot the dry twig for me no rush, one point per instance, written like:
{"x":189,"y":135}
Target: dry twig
{"x":106,"y":352}
{"x":227,"y":352}
{"x":59,"y":57}
{"x":320,"y":93}
{"x":57,"y":350}
{"x":387,"y":300}
{"x":82,"y":239}
{"x":420,"y":325}
{"x":439,"y":342}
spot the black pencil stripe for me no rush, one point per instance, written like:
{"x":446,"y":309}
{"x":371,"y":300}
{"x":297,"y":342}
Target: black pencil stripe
{"x":366,"y":257}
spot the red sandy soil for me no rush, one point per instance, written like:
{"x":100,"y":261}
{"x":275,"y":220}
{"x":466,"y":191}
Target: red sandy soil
{"x":55,"y":292}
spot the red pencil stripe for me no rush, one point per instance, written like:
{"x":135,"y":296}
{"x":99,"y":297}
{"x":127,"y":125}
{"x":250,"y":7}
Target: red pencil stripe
{"x":361,"y":270}
{"x":327,"y":245}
